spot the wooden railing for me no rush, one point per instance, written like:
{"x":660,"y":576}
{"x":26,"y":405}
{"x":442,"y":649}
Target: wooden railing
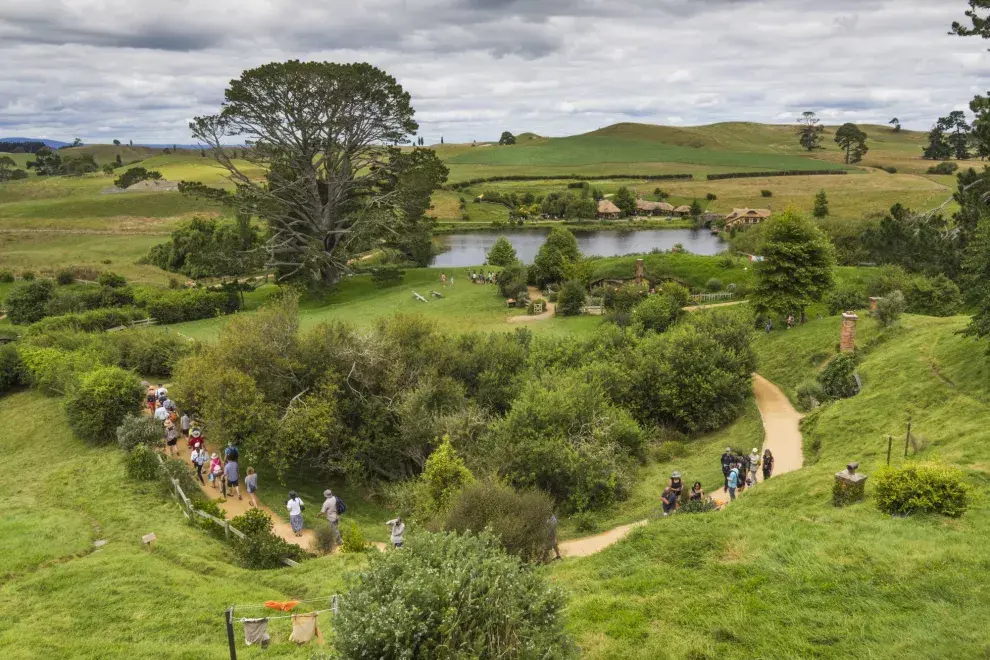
{"x":711,"y":297}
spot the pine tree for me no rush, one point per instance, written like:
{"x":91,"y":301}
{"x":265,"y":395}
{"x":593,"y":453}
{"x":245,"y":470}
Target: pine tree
{"x":821,"y":204}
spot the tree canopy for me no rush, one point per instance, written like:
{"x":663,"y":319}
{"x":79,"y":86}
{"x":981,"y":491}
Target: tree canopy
{"x":852,"y":140}
{"x":555,"y":255}
{"x":810,"y":131}
{"x":502,"y":253}
{"x":507,"y":138}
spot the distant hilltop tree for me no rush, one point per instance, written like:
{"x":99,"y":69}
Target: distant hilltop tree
{"x":810,"y":131}
{"x":507,"y":138}
{"x":116,"y":143}
{"x":896,"y":123}
{"x":852,"y":140}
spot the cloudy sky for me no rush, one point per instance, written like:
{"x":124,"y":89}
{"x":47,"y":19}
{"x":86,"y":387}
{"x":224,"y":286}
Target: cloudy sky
{"x":140,"y":69}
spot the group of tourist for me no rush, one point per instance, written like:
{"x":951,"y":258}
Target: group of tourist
{"x":482,"y":277}
{"x":671,"y":497}
{"x":740,"y":470}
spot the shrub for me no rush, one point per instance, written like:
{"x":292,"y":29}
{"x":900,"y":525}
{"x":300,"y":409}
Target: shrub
{"x":512,"y":281}
{"x":554,"y":256}
{"x":386,"y":276}
{"x":518,"y":519}
{"x":148,"y":351}
{"x":112,"y":280}
{"x":27,"y":275}
{"x":921,"y":488}
{"x":711,"y":197}
{"x":178,"y":305}
{"x":623,"y":298}
{"x":668,"y":450}
{"x":766,"y":193}
{"x":142,"y":464}
{"x":660,"y":312}
{"x":324,"y":540}
{"x":26,"y":302}
{"x":102,"y":400}
{"x":502,"y":253}
{"x":533,"y":303}
{"x":65,"y":276}
{"x":837,"y":378}
{"x":947,"y":167}
{"x":11,"y":368}
{"x":586,"y":522}
{"x":713,"y":285}
{"x":704,"y":505}
{"x":845,"y":298}
{"x":261,"y":549}
{"x":890,"y":308}
{"x":443,"y":476}
{"x":889,"y":169}
{"x":139,"y":431}
{"x":95,"y":320}
{"x":570,"y":300}
{"x":55,"y":371}
{"x":811,"y":394}
{"x":444,"y":592}
{"x":936,"y":296}
{"x":6,"y":275}
{"x":353,"y":539}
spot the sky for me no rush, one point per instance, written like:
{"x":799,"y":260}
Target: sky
{"x":141,"y":69}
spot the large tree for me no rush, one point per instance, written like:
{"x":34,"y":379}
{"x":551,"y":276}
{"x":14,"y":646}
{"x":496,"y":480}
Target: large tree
{"x":7,"y":167}
{"x":959,"y":137}
{"x":507,"y":138}
{"x":327,"y":136}
{"x":896,"y":123}
{"x":810,"y":131}
{"x":852,"y":140}
{"x":412,"y":178}
{"x":625,"y":199}
{"x":797,"y":268}
{"x":979,"y":25}
{"x":938,"y":147}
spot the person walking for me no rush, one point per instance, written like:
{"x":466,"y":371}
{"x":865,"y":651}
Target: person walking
{"x":443,"y":280}
{"x":251,"y":484}
{"x":727,"y":460}
{"x":171,"y":438}
{"x":733,"y":481}
{"x":233,"y":478}
{"x":160,"y":413}
{"x":231,"y":453}
{"x":754,"y":465}
{"x":331,"y":511}
{"x":199,"y":458}
{"x":552,"y":524}
{"x":151,"y":399}
{"x":216,"y":469}
{"x":184,"y":424}
{"x":767,"y":464}
{"x":669,"y":500}
{"x":398,"y":528}
{"x":769,"y":326}
{"x":294,"y":505}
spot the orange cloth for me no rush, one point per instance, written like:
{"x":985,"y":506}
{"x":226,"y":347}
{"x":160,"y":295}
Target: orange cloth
{"x":304,"y":628}
{"x":280,"y":606}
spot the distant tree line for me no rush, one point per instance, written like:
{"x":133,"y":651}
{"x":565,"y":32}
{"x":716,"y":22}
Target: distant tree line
{"x":21,"y":147}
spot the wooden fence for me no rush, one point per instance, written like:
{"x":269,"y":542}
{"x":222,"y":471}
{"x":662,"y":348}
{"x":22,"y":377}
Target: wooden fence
{"x":189,"y":511}
{"x":140,"y":323}
{"x":711,"y":297}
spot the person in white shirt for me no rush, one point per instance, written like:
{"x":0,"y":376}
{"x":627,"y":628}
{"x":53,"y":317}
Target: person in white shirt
{"x":398,"y":528}
{"x":295,"y":507}
{"x":330,"y":511}
{"x":161,"y":414}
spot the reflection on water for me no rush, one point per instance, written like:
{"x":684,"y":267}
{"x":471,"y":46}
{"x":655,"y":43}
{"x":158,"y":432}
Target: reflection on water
{"x":470,"y":249}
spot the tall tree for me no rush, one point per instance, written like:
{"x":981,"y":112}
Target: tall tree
{"x":7,"y":167}
{"x":979,"y":25}
{"x":625,"y":199}
{"x":322,"y":131}
{"x":507,"y":138}
{"x":959,"y":137}
{"x":797,"y":268}
{"x":412,"y":178}
{"x":47,"y":162}
{"x":980,"y":135}
{"x":938,"y":147}
{"x":810,"y":131}
{"x":852,"y":140}
{"x":821,"y":204}
{"x":976,"y":270}
{"x":896,"y":123}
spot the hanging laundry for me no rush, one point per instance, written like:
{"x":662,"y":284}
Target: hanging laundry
{"x":280,"y":606}
{"x":256,"y":632}
{"x":304,"y":628}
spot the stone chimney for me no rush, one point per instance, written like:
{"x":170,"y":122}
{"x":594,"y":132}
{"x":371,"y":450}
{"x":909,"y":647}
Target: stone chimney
{"x":873,"y":303}
{"x":639,"y":271}
{"x":847,"y":340}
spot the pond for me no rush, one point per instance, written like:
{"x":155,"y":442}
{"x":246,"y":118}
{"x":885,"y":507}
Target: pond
{"x":469,"y":249}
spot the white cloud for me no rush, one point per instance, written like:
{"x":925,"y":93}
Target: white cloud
{"x":137,"y":69}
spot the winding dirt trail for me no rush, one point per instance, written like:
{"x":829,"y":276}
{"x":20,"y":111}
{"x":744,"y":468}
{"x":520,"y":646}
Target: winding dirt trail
{"x":782,"y":436}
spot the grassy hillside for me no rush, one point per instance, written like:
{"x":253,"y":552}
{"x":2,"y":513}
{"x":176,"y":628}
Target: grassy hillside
{"x":784,"y":574}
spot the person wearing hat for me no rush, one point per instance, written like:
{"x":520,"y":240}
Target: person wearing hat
{"x":676,"y":485}
{"x":171,"y":438}
{"x":196,"y":438}
{"x":333,"y":517}
{"x":727,"y":460}
{"x":199,"y":458}
{"x":754,"y":465}
{"x":216,"y":469}
{"x":294,"y":505}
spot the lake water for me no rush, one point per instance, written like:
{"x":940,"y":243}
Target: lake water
{"x":470,"y":249}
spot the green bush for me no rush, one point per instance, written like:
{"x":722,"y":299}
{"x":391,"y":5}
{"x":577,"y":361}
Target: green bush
{"x":531,"y":309}
{"x":55,"y":371}
{"x":921,"y":488}
{"x":178,"y":305}
{"x":713,"y":285}
{"x":624,"y":298}
{"x":324,"y":539}
{"x":837,"y":379}
{"x":95,"y":320}
{"x":704,"y":505}
{"x":443,"y":476}
{"x":512,"y":281}
{"x":11,"y":368}
{"x":451,"y":596}
{"x":570,"y":300}
{"x":112,"y":280}
{"x":518,"y":519}
{"x":811,"y":394}
{"x":766,"y":193}
{"x":936,"y":296}
{"x":889,"y":308}
{"x":660,"y":312}
{"x":6,"y":275}
{"x":261,"y":549}
{"x":844,"y":299}
{"x":386,"y":276}
{"x":152,"y":352}
{"x":139,"y":431}
{"x":353,"y":539}
{"x":946,"y":167}
{"x":26,"y":302}
{"x":668,"y":450}
{"x":27,"y":275}
{"x":65,"y":276}
{"x":104,"y":397}
{"x":586,"y":522}
{"x":141,"y":464}
{"x":502,"y":253}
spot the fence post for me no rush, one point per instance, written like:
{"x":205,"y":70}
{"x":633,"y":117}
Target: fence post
{"x":230,"y":632}
{"x":890,"y":444}
{"x":226,"y":529}
{"x":907,"y":438}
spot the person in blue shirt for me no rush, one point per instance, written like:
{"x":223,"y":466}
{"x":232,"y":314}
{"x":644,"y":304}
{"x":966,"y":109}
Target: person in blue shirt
{"x":733,"y":482}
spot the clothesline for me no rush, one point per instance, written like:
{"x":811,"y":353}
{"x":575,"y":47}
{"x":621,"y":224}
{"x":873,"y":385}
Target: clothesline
{"x":287,"y":616}
{"x":311,"y":600}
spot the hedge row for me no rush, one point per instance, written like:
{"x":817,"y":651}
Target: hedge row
{"x":747,"y":175}
{"x":560,"y":177}
{"x":92,"y":321}
{"x":178,"y":305}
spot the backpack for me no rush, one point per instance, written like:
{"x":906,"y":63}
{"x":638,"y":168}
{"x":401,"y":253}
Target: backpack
{"x":341,"y":507}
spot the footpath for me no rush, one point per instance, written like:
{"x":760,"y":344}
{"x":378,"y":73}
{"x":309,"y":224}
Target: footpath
{"x":782,"y":436}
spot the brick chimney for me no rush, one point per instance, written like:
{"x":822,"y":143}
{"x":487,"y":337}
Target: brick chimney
{"x":639,"y":271}
{"x":847,"y":340}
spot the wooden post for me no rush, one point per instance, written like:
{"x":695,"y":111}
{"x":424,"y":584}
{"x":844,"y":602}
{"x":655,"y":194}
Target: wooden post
{"x":907,"y":438}
{"x":890,"y":444}
{"x":226,"y":529}
{"x":230,"y":633}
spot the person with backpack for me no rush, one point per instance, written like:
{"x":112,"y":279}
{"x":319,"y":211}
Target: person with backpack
{"x":294,"y":505}
{"x":676,"y":485}
{"x":199,"y":458}
{"x":231,"y":453}
{"x":332,"y":508}
{"x":216,"y":469}
{"x":727,"y":460}
{"x":733,"y":482}
{"x":767,"y":464}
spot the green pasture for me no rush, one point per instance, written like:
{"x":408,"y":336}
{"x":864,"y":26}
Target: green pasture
{"x":47,"y":253}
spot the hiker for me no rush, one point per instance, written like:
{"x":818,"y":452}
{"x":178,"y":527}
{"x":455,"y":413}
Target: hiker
{"x":251,"y":483}
{"x":790,"y":321}
{"x":676,"y":484}
{"x":216,"y":469}
{"x":767,"y":464}
{"x":196,"y":438}
{"x":169,"y":405}
{"x":171,"y":438}
{"x":295,"y":507}
{"x":231,"y":475}
{"x":552,"y":529}
{"x":184,"y":424}
{"x":727,"y":460}
{"x":332,"y":509}
{"x":398,"y":527}
{"x":231,"y":453}
{"x":742,"y":468}
{"x":161,"y":393}
{"x":151,"y":398}
{"x":733,"y":481}
{"x":160,"y":413}
{"x":669,"y":500}
{"x":697,"y":492}
{"x":754,"y":465}
{"x":769,"y":326}
{"x":199,"y":458}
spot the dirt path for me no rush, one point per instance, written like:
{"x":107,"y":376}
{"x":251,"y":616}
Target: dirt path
{"x":782,"y":436}
{"x":695,"y":308}
{"x":551,"y":309}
